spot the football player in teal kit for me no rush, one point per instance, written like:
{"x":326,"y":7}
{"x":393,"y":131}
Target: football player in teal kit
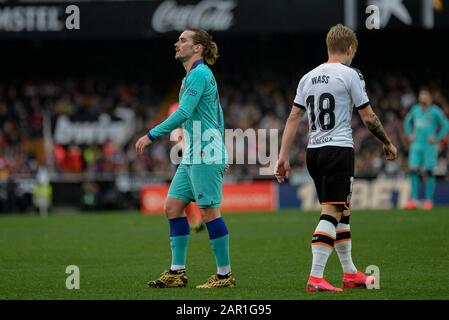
{"x":421,"y":127}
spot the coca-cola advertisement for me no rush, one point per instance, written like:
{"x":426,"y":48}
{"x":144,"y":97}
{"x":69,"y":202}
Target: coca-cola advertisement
{"x":207,"y":14}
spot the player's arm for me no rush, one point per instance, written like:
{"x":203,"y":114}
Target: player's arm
{"x":369,"y":118}
{"x":195,"y":87}
{"x":282,"y":167}
{"x":444,"y":125}
{"x":374,"y":125}
{"x":290,"y":129}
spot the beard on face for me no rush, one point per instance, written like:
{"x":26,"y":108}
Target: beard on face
{"x":184,"y":57}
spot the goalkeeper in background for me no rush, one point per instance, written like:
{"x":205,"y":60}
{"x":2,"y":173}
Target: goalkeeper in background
{"x":199,"y":177}
{"x":420,"y":126}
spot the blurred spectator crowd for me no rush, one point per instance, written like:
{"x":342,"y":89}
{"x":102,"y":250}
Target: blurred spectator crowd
{"x":259,"y":103}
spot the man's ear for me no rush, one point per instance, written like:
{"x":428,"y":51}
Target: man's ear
{"x":349,"y":51}
{"x":352,"y":49}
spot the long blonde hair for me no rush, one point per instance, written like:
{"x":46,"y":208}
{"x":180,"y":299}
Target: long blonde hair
{"x":210,"y":48}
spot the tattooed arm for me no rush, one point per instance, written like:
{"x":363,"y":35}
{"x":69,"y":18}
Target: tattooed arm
{"x":374,"y":125}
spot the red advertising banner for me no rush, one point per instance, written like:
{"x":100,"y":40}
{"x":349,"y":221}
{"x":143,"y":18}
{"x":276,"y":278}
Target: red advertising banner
{"x":243,"y":197}
{"x":152,"y":198}
{"x":254,"y":196}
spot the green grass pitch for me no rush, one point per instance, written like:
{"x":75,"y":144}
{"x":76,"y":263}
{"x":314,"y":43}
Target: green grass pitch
{"x":270,"y":253}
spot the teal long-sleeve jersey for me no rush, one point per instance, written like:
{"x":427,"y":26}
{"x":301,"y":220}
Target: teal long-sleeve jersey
{"x":424,"y":124}
{"x":201,"y":116}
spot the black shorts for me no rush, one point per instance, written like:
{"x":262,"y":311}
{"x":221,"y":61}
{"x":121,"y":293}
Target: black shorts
{"x":332,"y":171}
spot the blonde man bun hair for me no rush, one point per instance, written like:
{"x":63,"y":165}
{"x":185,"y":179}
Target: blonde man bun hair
{"x":210,"y":48}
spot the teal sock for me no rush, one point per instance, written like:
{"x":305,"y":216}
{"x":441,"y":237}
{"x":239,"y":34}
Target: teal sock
{"x":219,"y":241}
{"x":430,"y":187}
{"x":415,"y":185}
{"x":220,"y":247}
{"x":179,"y":247}
{"x":179,"y":242}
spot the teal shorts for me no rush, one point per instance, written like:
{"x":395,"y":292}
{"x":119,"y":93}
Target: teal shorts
{"x":423,"y":157}
{"x":201,"y":183}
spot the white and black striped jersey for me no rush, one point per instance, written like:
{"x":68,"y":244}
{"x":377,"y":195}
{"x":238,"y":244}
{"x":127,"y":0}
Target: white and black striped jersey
{"x":329,"y":93}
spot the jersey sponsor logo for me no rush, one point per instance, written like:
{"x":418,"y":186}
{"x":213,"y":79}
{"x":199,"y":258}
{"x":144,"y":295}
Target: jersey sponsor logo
{"x":320,"y":79}
{"x":321,"y":140}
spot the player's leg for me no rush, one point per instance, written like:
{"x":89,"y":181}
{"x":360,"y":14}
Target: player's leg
{"x":415,"y":161}
{"x":179,"y":196}
{"x":323,"y":239}
{"x":430,"y":162}
{"x":207,"y":183}
{"x":430,"y":190}
{"x":192,"y":211}
{"x":412,"y":203}
{"x":321,"y":163}
{"x":322,"y":246}
{"x":179,"y":232}
{"x":343,"y":246}
{"x":219,"y":241}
